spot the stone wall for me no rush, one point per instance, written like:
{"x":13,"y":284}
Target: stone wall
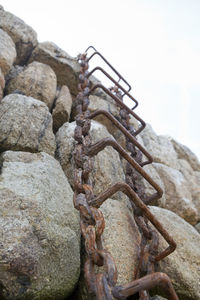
{"x":40,"y":236}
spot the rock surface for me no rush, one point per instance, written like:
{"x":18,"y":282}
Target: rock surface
{"x":14,"y":71}
{"x":2,"y":84}
{"x":7,"y":51}
{"x":185,"y":153}
{"x":160,"y":147}
{"x":97,"y":102}
{"x":178,"y":197}
{"x":121,"y":237}
{"x":62,"y":110}
{"x":149,"y":190}
{"x":192,"y":182}
{"x":65,"y":67}
{"x":107,"y":165}
{"x":183,"y":265}
{"x":25,"y":125}
{"x":36,"y":80}
{"x":40,"y":240}
{"x":24,"y":37}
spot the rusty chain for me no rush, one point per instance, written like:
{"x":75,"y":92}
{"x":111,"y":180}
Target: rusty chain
{"x":102,"y":285}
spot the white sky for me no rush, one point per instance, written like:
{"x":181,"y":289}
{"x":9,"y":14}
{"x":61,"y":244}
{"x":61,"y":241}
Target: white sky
{"x":154,"y":44}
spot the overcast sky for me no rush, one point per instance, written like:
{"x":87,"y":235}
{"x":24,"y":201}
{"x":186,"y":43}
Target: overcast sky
{"x":154,"y":44}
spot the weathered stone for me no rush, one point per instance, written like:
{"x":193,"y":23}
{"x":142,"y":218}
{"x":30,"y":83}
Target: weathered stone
{"x":7,"y":51}
{"x":121,"y":238}
{"x":97,"y":103}
{"x":37,"y":80}
{"x":25,"y":125}
{"x":178,"y":197}
{"x":149,"y":190}
{"x":2,"y":84}
{"x":14,"y":71}
{"x":183,"y":265}
{"x":160,"y":147}
{"x":197,"y":226}
{"x":196,"y":192}
{"x":184,"y":152}
{"x":107,"y":165}
{"x":24,"y":37}
{"x":40,"y":239}
{"x":65,"y":67}
{"x":192,"y":179}
{"x":62,"y":110}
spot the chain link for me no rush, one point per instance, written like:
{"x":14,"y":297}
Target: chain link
{"x":91,"y":219}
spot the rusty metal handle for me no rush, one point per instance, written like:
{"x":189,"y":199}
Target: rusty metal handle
{"x":145,"y":283}
{"x":116,"y":83}
{"x":125,"y":132}
{"x":109,"y":64}
{"x":126,"y":189}
{"x":99,"y":146}
{"x":121,"y":104}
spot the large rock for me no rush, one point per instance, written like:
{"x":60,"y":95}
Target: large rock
{"x":148,"y":189}
{"x":2,"y":84}
{"x":25,"y":125}
{"x":185,"y":153}
{"x":192,"y":181}
{"x":107,"y":165}
{"x":121,"y":238}
{"x":37,"y":80}
{"x":65,"y":67}
{"x":24,"y":37}
{"x":183,"y":265}
{"x":178,"y":196}
{"x":196,"y":192}
{"x":40,"y":240}
{"x":160,"y":147}
{"x":7,"y":51}
{"x":62,"y":109}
